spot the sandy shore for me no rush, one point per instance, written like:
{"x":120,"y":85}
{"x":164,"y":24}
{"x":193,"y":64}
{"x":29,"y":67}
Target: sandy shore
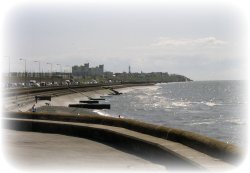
{"x":62,"y":101}
{"x":25,"y":102}
{"x":60,"y":104}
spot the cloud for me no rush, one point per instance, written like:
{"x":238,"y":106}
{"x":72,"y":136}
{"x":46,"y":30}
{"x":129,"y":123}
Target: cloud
{"x":206,"y":41}
{"x":209,"y":48}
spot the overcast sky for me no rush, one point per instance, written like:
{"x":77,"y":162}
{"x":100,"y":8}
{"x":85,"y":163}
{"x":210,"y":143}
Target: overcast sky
{"x":200,"y":41}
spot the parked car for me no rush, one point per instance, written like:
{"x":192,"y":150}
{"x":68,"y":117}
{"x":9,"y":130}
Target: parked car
{"x":21,"y":84}
{"x":55,"y":83}
{"x":32,"y":83}
{"x":48,"y":84}
{"x":43,"y":84}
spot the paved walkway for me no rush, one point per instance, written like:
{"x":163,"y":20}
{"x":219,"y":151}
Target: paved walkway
{"x":181,"y":151}
{"x":42,"y":151}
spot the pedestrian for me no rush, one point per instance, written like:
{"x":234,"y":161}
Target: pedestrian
{"x":19,"y":107}
{"x":33,"y":108}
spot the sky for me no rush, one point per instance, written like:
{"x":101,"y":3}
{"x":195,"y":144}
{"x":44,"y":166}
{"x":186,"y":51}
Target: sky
{"x":200,"y":41}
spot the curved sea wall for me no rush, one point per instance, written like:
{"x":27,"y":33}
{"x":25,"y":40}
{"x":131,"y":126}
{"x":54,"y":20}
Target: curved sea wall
{"x":121,"y":139}
{"x":90,"y":87}
{"x":210,"y":146}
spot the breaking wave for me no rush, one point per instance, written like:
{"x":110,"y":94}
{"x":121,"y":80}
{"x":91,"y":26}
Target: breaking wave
{"x":187,"y":106}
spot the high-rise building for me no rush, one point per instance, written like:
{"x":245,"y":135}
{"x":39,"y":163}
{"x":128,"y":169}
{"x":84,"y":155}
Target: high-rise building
{"x":85,"y":70}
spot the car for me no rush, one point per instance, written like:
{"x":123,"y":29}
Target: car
{"x":55,"y":84}
{"x":32,"y":83}
{"x":43,"y":84}
{"x":48,"y":84}
{"x":21,"y":84}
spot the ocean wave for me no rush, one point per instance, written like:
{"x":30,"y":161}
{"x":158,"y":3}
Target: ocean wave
{"x":236,"y":121}
{"x":201,"y":123}
{"x":181,"y":104}
{"x":188,"y":103}
{"x":210,"y":104}
{"x":141,"y":97}
{"x":102,"y":113}
{"x":160,"y":102}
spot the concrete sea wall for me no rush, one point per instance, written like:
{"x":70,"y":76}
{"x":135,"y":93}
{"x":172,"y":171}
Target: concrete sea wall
{"x":122,"y":141}
{"x":212,"y":147}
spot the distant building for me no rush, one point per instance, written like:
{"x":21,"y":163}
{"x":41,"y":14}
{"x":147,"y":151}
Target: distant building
{"x":85,"y":70}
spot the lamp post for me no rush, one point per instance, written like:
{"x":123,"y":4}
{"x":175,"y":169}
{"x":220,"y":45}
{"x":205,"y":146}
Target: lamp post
{"x":50,"y":70}
{"x":9,"y":71}
{"x":56,"y":67}
{"x":39,"y":71}
{"x":68,"y":71}
{"x":60,"y":67}
{"x":25,"y":75}
{"x":50,"y":67}
{"x":60,"y":72}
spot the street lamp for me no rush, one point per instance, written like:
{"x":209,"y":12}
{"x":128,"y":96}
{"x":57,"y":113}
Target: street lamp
{"x":25,"y":75}
{"x":9,"y":71}
{"x":51,"y":71}
{"x":60,"y":72}
{"x":60,"y":67}
{"x":39,"y":71}
{"x":50,"y":67}
{"x":69,"y":70}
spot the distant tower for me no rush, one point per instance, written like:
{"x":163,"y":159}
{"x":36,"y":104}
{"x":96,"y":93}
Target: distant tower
{"x":129,"y":69}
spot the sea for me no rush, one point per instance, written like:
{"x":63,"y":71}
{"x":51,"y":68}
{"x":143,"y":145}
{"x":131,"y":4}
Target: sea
{"x":216,"y":109}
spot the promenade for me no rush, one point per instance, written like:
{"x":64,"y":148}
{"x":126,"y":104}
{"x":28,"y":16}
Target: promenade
{"x":45,"y":152}
{"x":69,"y":139}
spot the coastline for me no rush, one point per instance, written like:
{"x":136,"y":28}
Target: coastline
{"x":64,"y":109}
{"x":58,"y":113}
{"x":62,"y":102}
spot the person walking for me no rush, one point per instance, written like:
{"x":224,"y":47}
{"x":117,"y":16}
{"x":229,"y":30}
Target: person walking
{"x":33,"y":108}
